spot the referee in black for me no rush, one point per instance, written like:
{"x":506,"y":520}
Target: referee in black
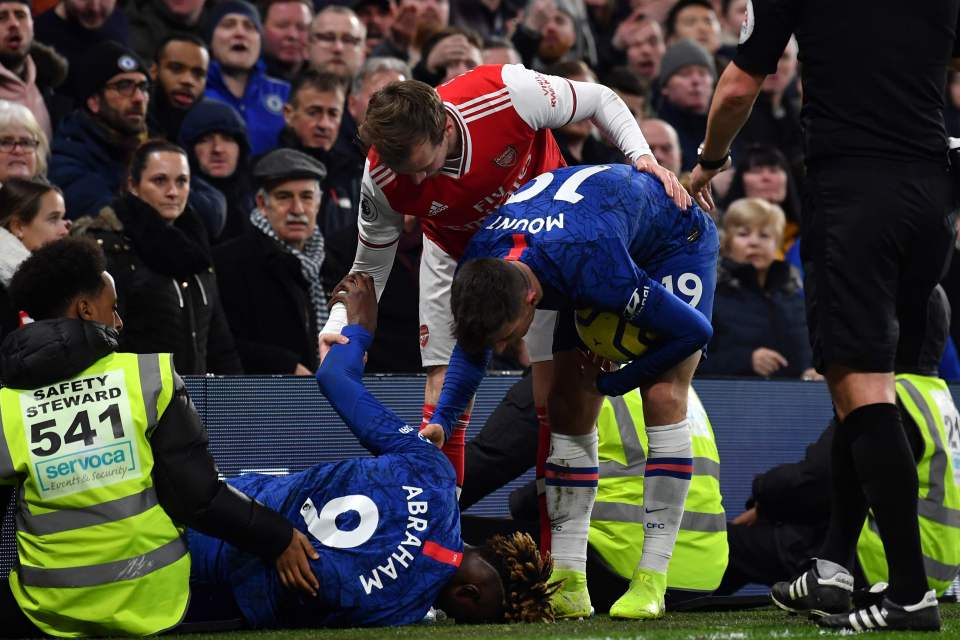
{"x":876,"y":239}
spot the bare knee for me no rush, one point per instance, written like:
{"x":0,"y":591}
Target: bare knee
{"x":664,"y":403}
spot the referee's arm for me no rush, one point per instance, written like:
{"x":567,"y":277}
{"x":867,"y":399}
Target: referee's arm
{"x":732,"y":102}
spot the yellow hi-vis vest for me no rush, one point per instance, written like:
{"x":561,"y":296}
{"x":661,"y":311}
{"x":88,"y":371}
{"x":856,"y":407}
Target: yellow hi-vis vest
{"x":929,"y":403}
{"x":97,"y":554}
{"x":616,"y":524}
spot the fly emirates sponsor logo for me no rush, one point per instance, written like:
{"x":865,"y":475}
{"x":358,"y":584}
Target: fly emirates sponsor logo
{"x":402,"y":557}
{"x":498,"y":197}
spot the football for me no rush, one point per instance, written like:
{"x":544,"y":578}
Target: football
{"x":612,"y":336}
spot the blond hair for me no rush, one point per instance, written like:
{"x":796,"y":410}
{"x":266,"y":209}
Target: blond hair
{"x":13,"y":114}
{"x":751,"y":212}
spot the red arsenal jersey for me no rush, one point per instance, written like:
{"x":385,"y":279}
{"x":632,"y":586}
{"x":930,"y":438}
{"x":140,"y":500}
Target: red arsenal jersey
{"x":503,"y":114}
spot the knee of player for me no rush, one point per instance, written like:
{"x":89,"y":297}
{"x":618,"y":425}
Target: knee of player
{"x":665,"y":398}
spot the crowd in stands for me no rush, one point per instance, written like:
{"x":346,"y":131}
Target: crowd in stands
{"x":141,"y":123}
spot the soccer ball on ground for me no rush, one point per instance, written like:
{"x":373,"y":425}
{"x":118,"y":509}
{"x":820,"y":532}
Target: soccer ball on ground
{"x":611,"y":336}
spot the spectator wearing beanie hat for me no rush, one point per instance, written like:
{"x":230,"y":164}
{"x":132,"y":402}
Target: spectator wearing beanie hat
{"x":92,"y":146}
{"x":215,"y":138}
{"x":687,"y":76}
{"x":238,"y":76}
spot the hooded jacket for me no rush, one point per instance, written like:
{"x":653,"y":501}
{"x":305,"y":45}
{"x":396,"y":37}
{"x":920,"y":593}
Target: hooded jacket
{"x":27,"y":91}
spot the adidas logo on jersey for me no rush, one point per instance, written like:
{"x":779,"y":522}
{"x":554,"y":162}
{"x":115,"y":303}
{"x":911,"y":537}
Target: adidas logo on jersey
{"x":437,"y":208}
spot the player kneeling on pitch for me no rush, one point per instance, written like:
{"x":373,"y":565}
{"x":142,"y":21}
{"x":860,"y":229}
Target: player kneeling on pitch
{"x":386,"y":530}
{"x":595,"y":240}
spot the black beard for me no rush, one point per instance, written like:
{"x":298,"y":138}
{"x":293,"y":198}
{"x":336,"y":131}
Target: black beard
{"x":13,"y":61}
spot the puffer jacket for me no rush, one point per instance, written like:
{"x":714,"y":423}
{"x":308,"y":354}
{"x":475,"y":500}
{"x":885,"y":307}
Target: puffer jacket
{"x":746,"y":317}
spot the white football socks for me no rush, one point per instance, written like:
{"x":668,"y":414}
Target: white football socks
{"x":571,"y":488}
{"x":665,"y":484}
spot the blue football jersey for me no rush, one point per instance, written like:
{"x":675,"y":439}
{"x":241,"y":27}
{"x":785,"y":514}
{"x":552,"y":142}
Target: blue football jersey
{"x":387,"y":529}
{"x":606,"y":237}
{"x":592,"y":235}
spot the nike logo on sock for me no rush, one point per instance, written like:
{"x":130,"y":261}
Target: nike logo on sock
{"x":654,"y":510}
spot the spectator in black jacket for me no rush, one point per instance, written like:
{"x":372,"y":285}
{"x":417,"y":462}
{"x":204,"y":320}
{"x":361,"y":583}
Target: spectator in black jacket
{"x":313,"y":116}
{"x":179,"y":74}
{"x":759,"y":325}
{"x":73,"y":27}
{"x":65,"y":287}
{"x":215,"y":138}
{"x":271,"y":278}
{"x":158,"y":251}
{"x":93,"y":146}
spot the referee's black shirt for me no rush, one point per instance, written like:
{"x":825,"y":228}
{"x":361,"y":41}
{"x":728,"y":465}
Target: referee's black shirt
{"x":873,"y":71}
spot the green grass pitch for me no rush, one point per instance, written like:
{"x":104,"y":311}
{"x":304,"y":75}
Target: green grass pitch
{"x":732,"y":625}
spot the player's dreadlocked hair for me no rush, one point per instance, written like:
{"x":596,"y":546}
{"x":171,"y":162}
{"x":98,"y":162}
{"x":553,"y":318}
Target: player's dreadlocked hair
{"x":524,"y":574}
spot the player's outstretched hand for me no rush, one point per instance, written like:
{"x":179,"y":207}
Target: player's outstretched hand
{"x":433,"y":433}
{"x":675,"y":190}
{"x":358,"y":294}
{"x":293,"y":565}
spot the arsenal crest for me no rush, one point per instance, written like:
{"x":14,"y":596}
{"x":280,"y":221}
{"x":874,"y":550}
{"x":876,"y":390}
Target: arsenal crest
{"x":424,"y":335}
{"x":508,"y":158}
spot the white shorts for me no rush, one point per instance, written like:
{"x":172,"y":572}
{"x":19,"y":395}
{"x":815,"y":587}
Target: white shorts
{"x":436,"y":321}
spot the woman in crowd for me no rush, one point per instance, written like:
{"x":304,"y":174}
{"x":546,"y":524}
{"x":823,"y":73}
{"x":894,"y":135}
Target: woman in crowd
{"x":158,"y":253}
{"x":759,"y":325}
{"x":215,"y":138}
{"x":32,"y":214}
{"x":24,"y":148}
{"x":763,"y":172}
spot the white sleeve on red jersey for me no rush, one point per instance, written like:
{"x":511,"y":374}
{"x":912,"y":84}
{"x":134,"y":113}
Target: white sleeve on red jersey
{"x":380,"y":228}
{"x":549,"y":102}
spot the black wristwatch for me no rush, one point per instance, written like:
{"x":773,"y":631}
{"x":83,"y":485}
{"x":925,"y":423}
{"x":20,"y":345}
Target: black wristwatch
{"x":711,"y":165}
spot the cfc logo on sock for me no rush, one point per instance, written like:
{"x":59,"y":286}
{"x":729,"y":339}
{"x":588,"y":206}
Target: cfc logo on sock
{"x":656,"y":525}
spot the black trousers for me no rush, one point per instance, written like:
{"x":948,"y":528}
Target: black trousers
{"x":768,"y":552}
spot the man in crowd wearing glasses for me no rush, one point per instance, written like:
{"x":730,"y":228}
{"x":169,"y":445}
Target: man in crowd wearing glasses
{"x":337,"y":40}
{"x":92,"y":146}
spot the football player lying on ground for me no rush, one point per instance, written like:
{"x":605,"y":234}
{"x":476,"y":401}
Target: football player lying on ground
{"x":386,"y":530}
{"x":600,"y":237}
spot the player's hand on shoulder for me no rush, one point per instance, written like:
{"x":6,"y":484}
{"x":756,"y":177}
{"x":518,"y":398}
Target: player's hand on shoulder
{"x":293,"y":565}
{"x":434,"y":434}
{"x":357,"y":293}
{"x":671,"y":184}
